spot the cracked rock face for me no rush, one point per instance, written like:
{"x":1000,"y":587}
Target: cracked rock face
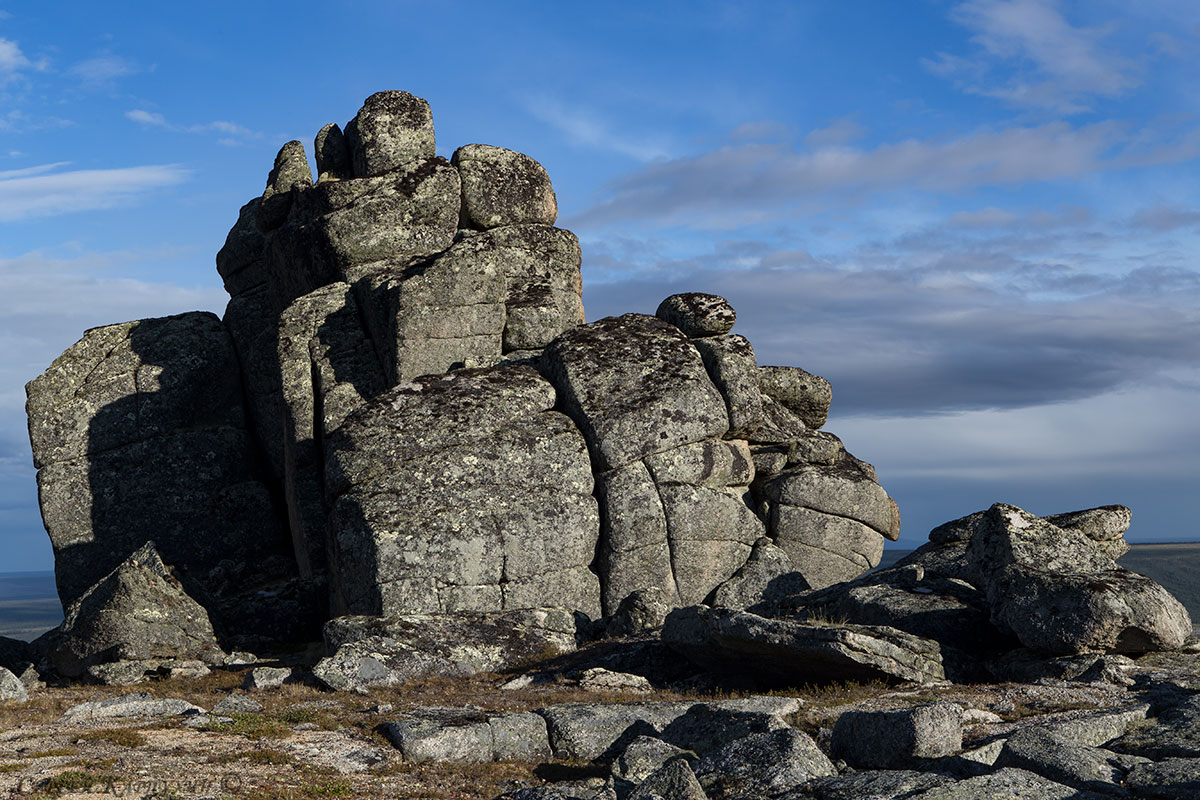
{"x":403,"y":413}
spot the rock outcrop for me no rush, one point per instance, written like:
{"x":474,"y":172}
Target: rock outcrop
{"x":402,"y":413}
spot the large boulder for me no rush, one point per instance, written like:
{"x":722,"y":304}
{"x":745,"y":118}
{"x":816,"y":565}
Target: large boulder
{"x":793,"y":653}
{"x":464,"y":492}
{"x":137,"y":612}
{"x":502,"y":187}
{"x":392,"y":128}
{"x":138,"y":432}
{"x":1057,"y":593}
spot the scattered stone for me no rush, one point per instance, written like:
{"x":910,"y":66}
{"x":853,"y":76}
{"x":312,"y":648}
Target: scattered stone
{"x":240,"y":658}
{"x":644,"y":756}
{"x":603,"y":680}
{"x":268,"y":677}
{"x":235,"y":703}
{"x":11,"y":687}
{"x":142,"y":704}
{"x":452,"y":735}
{"x":121,"y":673}
{"x":895,"y":739}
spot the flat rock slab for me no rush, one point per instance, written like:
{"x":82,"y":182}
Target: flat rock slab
{"x":142,"y":704}
{"x":1006,"y":784}
{"x":1169,"y":779}
{"x":457,"y":735}
{"x":1175,"y":734}
{"x":797,"y":652}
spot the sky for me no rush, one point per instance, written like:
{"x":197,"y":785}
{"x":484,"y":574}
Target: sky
{"x":979,"y":220}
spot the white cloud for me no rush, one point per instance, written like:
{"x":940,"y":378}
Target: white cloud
{"x":586,"y":129}
{"x":12,"y":61}
{"x":103,"y":70}
{"x":40,"y":192}
{"x":1029,"y":55}
{"x":230,"y":132}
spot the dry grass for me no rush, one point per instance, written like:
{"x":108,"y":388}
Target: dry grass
{"x":119,"y":737}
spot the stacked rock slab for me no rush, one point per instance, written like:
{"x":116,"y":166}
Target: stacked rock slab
{"x":402,"y":401}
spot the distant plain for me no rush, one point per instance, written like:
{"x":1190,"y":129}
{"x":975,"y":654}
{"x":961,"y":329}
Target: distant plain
{"x":29,"y":602}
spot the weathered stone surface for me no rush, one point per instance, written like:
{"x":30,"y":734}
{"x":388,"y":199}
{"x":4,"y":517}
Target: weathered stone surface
{"x":944,"y":561}
{"x":594,"y":731}
{"x":1007,"y":535}
{"x":713,"y":463}
{"x":392,"y":128}
{"x":845,"y":489}
{"x":121,"y":673}
{"x":762,"y":764}
{"x":502,"y":187}
{"x":705,"y":728}
{"x":15,"y":654}
{"x":542,"y":286}
{"x":824,"y":548}
{"x":1009,"y":783}
{"x":806,"y":395}
{"x":673,"y":779}
{"x":1169,"y":779}
{"x":1041,"y":751}
{"x":235,"y":703}
{"x":599,"y":679}
{"x":697,"y":314}
{"x":1096,"y":728}
{"x":875,"y":785}
{"x":893,"y":739}
{"x":498,"y":488}
{"x":11,"y":687}
{"x":731,"y":365}
{"x":138,"y":611}
{"x":795,"y":653}
{"x":711,"y":532}
{"x":1175,"y":734}
{"x":454,"y":735}
{"x":640,"y":610}
{"x":241,"y":261}
{"x":333,"y":154}
{"x":267,"y":677}
{"x":635,"y":554}
{"x":289,"y":176}
{"x":779,"y":425}
{"x":635,"y":387}
{"x":1114,"y":611}
{"x":366,"y":652}
{"x":767,"y":577}
{"x":142,"y":704}
{"x":644,"y":756}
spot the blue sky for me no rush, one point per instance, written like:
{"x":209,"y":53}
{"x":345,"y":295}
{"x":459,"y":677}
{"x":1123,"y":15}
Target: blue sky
{"x":980,"y":220}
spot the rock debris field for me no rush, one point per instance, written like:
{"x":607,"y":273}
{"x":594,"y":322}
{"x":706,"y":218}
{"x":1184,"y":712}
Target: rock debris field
{"x":402,"y":524}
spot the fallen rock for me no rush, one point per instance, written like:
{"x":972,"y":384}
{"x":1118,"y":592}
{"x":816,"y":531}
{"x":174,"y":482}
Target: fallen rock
{"x":763,"y":764}
{"x":674,"y":779}
{"x":644,"y":756}
{"x":894,"y":739}
{"x":795,"y":653}
{"x":452,"y":735}
{"x":234,"y":703}
{"x":1051,"y":756}
{"x":137,"y":612}
{"x":366,"y":652}
{"x":11,"y":687}
{"x":598,"y":679}
{"x":267,"y":677}
{"x":142,"y":704}
{"x":599,"y":731}
{"x":1175,"y":733}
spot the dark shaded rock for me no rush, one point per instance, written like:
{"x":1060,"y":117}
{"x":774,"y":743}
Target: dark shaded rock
{"x":138,"y":611}
{"x":643,"y":757}
{"x":596,"y":731}
{"x":1169,"y":779}
{"x":366,"y":652}
{"x":697,"y":314}
{"x":16,"y":655}
{"x":779,"y":425}
{"x":1041,"y":751}
{"x":731,"y":365}
{"x":875,"y":785}
{"x":502,"y":187}
{"x":1009,"y":783}
{"x":1174,"y":734}
{"x":641,"y":610}
{"x":763,"y":764}
{"x":894,"y":739}
{"x":794,"y":653}
{"x":333,"y":154}
{"x":673,"y":779}
{"x":290,"y":175}
{"x":806,"y":395}
{"x":635,"y":387}
{"x":241,"y":261}
{"x":767,"y":577}
{"x":947,"y":560}
{"x":705,"y":728}
{"x":392,"y":128}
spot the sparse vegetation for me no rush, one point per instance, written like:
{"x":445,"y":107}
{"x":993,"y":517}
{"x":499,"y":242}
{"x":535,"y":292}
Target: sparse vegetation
{"x":264,"y":756}
{"x":121,"y":737}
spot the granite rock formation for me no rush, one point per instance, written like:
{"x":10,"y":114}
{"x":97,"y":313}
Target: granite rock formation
{"x":403,"y":413}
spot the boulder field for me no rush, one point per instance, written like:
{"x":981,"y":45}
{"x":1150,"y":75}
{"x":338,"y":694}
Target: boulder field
{"x":403,"y":439}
